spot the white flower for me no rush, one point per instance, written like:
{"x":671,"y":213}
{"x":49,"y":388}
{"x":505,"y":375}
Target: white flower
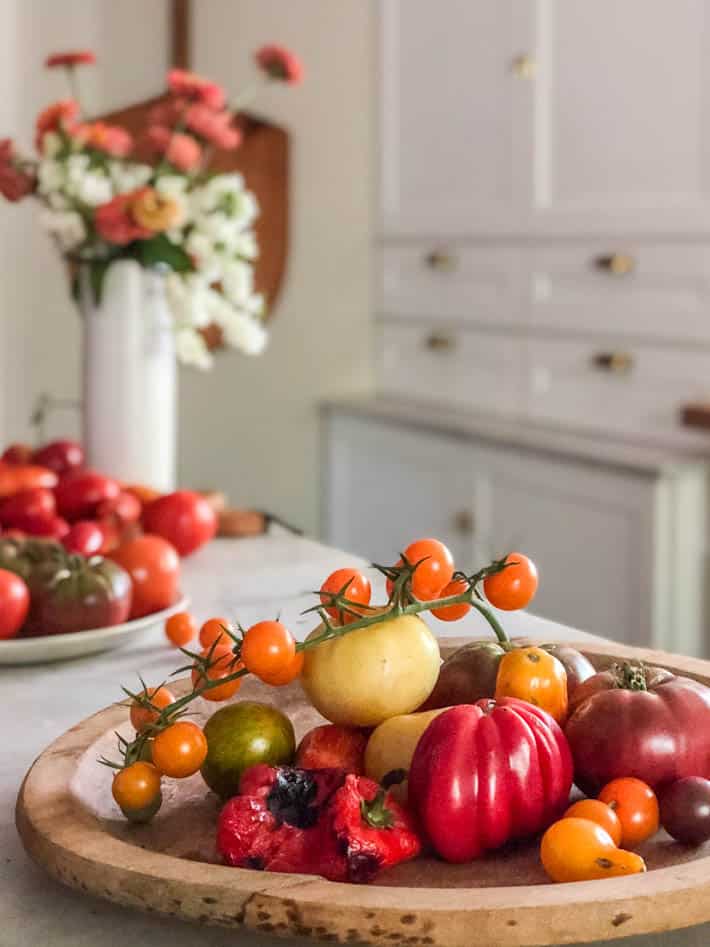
{"x":223,"y":231}
{"x":175,"y":187}
{"x":50,"y":175}
{"x":207,"y":259}
{"x":190,"y":299}
{"x":51,"y":144}
{"x":57,"y":201}
{"x":67,"y":226}
{"x":256,"y":305}
{"x":128,"y":176}
{"x":76,"y":167}
{"x":94,"y":189}
{"x":191,"y":349}
{"x":238,"y":281}
{"x":243,"y":332}
{"x":246,"y":246}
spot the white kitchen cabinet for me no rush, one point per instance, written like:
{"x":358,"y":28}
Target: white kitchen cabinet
{"x":544,"y":117}
{"x":620,"y":550}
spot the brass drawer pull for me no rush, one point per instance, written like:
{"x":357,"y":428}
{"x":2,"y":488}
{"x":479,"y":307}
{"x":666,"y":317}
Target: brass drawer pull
{"x":616,"y":363}
{"x":441,"y":260}
{"x":524,"y":67}
{"x":464,"y":523}
{"x":618,"y":264}
{"x":439,"y":342}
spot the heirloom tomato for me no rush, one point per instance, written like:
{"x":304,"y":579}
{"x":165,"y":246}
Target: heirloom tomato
{"x":364,"y":677}
{"x":597,"y":811}
{"x":685,"y":810}
{"x":17,"y":454}
{"x":60,"y":456}
{"x":580,"y":850}
{"x":154,"y":568}
{"x":332,"y":747}
{"x":79,"y":493}
{"x":14,"y":603}
{"x":26,"y":505}
{"x":639,"y":721}
{"x":536,"y":676}
{"x":513,"y":587}
{"x":485,"y":773}
{"x":85,"y":538}
{"x":184,"y":518}
{"x":636,"y":807}
{"x":124,"y":507}
{"x":391,"y":746}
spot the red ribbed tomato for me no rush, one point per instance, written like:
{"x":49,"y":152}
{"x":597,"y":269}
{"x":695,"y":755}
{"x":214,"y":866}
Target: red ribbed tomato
{"x":488,"y":772}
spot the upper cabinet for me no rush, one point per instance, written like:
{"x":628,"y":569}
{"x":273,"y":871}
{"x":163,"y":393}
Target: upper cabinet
{"x":544,"y":117}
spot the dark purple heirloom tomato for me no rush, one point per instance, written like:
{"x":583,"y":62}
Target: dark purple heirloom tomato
{"x":685,"y":810}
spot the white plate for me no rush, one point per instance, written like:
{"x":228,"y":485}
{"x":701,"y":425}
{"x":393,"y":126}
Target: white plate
{"x":46,"y":648}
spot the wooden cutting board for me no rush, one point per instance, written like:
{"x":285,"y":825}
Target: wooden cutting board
{"x":70,"y":826}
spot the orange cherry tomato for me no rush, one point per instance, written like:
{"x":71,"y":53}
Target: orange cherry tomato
{"x":353,"y":585}
{"x":536,"y":676}
{"x":180,"y":629}
{"x":597,"y":811}
{"x":154,"y":568}
{"x":213,"y":630}
{"x":136,"y":789}
{"x":268,"y":649}
{"x":581,"y":850}
{"x":223,"y":663}
{"x":180,"y":749}
{"x":515,"y":586}
{"x":16,"y":477}
{"x":287,"y":674}
{"x":453,"y":612}
{"x":142,"y":716}
{"x":636,"y":806}
{"x":435,"y":567}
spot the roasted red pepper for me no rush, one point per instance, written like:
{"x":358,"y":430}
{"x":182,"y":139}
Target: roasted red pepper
{"x":325,"y":822}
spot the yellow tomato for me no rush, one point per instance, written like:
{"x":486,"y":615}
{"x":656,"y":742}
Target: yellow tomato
{"x":536,"y":676}
{"x":391,"y":746}
{"x":364,"y":677}
{"x":580,"y":850}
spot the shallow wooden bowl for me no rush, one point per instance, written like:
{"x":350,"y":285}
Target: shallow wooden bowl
{"x":70,"y":825}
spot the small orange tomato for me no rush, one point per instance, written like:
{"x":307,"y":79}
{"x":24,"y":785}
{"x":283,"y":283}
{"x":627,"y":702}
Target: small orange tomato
{"x":180,"y":629}
{"x":636,"y":807}
{"x":513,"y":587}
{"x":452,"y":612}
{"x":136,"y":789}
{"x":143,"y":715}
{"x":268,"y":649}
{"x":353,"y":585}
{"x":180,"y":749}
{"x":213,"y":630}
{"x":536,"y":676}
{"x":597,"y":811}
{"x":223,"y":663}
{"x":434,"y":567}
{"x":580,"y":850}
{"x":287,"y":674}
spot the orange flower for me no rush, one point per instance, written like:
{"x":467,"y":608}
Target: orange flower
{"x":83,"y":57}
{"x":60,"y":115}
{"x":180,"y":150}
{"x":110,"y":139}
{"x":14,"y":182}
{"x":196,"y":88}
{"x":115,"y":223}
{"x":279,"y":63}
{"x":154,"y":211}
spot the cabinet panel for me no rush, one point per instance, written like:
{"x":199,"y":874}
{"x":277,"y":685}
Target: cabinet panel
{"x":448,"y":365}
{"x":621,"y":114}
{"x":452,"y":114}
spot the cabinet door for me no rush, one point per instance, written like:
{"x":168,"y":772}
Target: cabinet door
{"x":386,"y":486}
{"x":454,"y":121}
{"x":621,"y":115}
{"x":589,"y":530}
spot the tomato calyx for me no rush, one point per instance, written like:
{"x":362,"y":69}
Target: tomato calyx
{"x":631,"y":677}
{"x":375,"y":813}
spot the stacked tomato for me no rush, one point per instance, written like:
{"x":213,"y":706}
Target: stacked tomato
{"x":48,"y":498}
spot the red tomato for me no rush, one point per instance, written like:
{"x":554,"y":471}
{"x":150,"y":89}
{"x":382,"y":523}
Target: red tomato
{"x":14,"y":603}
{"x":84,"y":538}
{"x":30,"y":503}
{"x":154,"y":567}
{"x":17,"y":454}
{"x":16,"y":477}
{"x":125,"y":507}
{"x":515,"y":586}
{"x":79,"y":493}
{"x":49,"y":526}
{"x":184,"y":518}
{"x":60,"y":456}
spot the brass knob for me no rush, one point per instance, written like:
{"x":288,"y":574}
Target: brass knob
{"x":617,"y":363}
{"x":464,"y":523}
{"x":441,"y":260}
{"x":440,"y":342}
{"x":618,"y":264}
{"x":524,"y":67}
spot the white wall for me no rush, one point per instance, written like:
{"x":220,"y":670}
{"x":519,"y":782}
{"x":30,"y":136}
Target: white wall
{"x":250,"y":426}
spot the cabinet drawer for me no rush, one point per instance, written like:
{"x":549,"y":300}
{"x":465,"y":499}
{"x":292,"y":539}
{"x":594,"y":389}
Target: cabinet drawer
{"x":654,"y":291}
{"x":472,"y":369}
{"x":463,"y":283}
{"x":605,"y":386}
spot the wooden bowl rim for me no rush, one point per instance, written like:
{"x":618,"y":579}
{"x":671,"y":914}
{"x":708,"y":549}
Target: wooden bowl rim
{"x":76,"y":849}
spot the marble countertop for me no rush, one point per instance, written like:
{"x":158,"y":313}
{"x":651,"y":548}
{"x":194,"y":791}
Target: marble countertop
{"x":245,"y":580}
{"x":641,"y":454}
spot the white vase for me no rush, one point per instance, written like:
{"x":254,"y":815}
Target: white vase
{"x":130,"y":378}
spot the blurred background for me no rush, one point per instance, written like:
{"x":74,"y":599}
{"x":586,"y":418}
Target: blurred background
{"x":493,"y":325}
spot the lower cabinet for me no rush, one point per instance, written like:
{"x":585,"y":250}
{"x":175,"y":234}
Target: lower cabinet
{"x":620,"y":552}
